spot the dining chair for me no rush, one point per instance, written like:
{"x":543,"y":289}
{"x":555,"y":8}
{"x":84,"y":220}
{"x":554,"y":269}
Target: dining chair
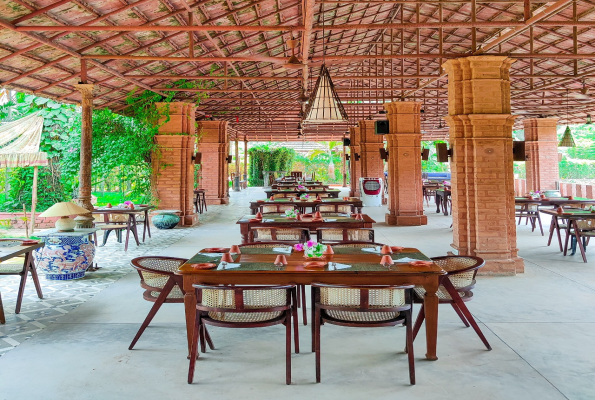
{"x":366,"y":307}
{"x":22,"y":266}
{"x":244,"y":307}
{"x":584,"y":229}
{"x":455,"y":289}
{"x":301,"y":289}
{"x":338,"y":235}
{"x":335,"y":208}
{"x":161,"y":284}
{"x":529,"y":211}
{"x":297,"y":174}
{"x":272,"y":234}
{"x":356,"y":244}
{"x":282,"y":195}
{"x":558,"y":223}
{"x":276,"y":208}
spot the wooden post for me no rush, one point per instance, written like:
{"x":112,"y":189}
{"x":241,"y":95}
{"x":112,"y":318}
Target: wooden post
{"x":246,"y":160}
{"x":33,"y":199}
{"x":84,"y":197}
{"x":343,"y":168}
{"x":236,"y":181}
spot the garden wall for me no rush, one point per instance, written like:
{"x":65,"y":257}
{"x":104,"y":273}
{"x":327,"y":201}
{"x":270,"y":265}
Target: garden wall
{"x":15,"y":220}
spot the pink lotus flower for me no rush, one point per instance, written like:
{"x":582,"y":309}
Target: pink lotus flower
{"x":298,"y":247}
{"x":127,"y":202}
{"x":310,"y":243}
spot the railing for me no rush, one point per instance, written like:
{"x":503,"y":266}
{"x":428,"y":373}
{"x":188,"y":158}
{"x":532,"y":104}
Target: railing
{"x":566,"y":189}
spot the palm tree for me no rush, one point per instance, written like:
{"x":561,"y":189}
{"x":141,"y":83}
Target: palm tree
{"x":327,"y":152}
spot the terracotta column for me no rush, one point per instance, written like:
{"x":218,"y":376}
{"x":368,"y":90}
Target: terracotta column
{"x":84,"y":196}
{"x":370,"y":144}
{"x":541,"y":149}
{"x":482,"y":171}
{"x":214,"y":146}
{"x":245,"y":177}
{"x":236,"y":182}
{"x":173,"y":165}
{"x":354,"y":161}
{"x":405,"y":197}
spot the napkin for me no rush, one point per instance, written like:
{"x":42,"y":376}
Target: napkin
{"x":372,"y":249}
{"x":406,"y":259}
{"x":286,"y":250}
{"x":338,"y":266}
{"x":268,"y":220}
{"x":212,"y":254}
{"x":343,"y":215}
{"x":228,"y":266}
{"x":330,"y":219}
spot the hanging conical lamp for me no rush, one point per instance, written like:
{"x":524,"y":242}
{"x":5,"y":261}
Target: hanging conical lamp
{"x":324,"y":105}
{"x":567,"y":139}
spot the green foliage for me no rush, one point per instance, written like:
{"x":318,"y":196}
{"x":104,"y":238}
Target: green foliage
{"x":432,"y":164}
{"x":267,"y":157}
{"x":325,"y":162}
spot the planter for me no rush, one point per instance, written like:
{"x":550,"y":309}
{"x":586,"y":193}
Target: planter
{"x":165,"y":221}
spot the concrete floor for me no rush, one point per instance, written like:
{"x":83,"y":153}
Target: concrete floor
{"x":539,"y":324}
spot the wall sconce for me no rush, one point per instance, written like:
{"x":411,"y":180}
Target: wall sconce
{"x":443,"y":152}
{"x":384,"y":154}
{"x":356,"y":156}
{"x":229,"y":159}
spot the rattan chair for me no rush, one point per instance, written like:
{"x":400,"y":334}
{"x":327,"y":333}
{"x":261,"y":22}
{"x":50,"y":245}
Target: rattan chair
{"x":429,"y":191}
{"x":338,"y":235}
{"x":585,"y":231}
{"x":323,"y":195}
{"x":301,"y":289}
{"x":557,"y":224}
{"x":157,"y":277}
{"x":363,"y":306}
{"x":282,"y":195}
{"x":276,"y":208}
{"x":356,"y":244}
{"x":272,"y":234}
{"x":244,"y":307}
{"x":19,"y":266}
{"x":297,"y":174}
{"x":455,"y":289}
{"x":335,"y":208}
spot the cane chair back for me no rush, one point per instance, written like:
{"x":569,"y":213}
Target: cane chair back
{"x":297,"y":174}
{"x":15,"y":265}
{"x":357,"y":245}
{"x":323,"y":195}
{"x":154,"y":273}
{"x":276,"y":208}
{"x":336,"y":208}
{"x":461,"y":271}
{"x":282,"y":195}
{"x":266,"y":245}
{"x":586,"y":226}
{"x":243,"y":304}
{"x":338,"y":235}
{"x":362,"y":303}
{"x":291,"y":235}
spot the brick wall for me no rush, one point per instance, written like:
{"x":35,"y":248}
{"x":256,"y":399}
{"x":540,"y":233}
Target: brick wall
{"x":405,"y":196}
{"x":17,"y":222}
{"x":214,"y":148}
{"x":541,"y":150}
{"x":372,"y":166}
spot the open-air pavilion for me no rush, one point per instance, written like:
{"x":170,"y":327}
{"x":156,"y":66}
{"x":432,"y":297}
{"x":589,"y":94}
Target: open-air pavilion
{"x":224,"y":74}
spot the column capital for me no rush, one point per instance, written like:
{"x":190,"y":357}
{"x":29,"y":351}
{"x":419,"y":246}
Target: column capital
{"x":403,"y":107}
{"x":404,"y":117}
{"x":86,"y":89}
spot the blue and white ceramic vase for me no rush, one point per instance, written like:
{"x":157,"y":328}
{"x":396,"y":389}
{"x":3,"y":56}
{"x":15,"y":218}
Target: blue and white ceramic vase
{"x":65,"y":257}
{"x":165,"y":221}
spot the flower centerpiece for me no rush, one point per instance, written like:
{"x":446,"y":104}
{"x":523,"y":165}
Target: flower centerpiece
{"x":301,"y":187}
{"x":311,"y":249}
{"x":305,"y":196}
{"x":446,"y":183}
{"x":291,"y":213}
{"x":127,"y":204}
{"x":535,"y":194}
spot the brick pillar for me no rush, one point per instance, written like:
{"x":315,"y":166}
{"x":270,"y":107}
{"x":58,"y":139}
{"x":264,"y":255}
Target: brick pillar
{"x":405,"y":196}
{"x":214,"y":146}
{"x":541,"y":149}
{"x":482,"y":171}
{"x":173,"y":167}
{"x":370,"y":144}
{"x":354,"y":164}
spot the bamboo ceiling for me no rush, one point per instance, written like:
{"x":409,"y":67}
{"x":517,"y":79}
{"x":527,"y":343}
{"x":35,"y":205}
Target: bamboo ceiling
{"x":377,"y":51}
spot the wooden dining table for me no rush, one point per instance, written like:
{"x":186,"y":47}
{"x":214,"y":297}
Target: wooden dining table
{"x":572,"y":229}
{"x":130,"y":222}
{"x":247,"y":222}
{"x":304,"y":205}
{"x":554,"y":201}
{"x":442,"y":196}
{"x":312,"y":192}
{"x":257,"y":268}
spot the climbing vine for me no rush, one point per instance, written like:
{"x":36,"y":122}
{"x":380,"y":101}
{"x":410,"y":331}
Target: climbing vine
{"x":268,"y":158}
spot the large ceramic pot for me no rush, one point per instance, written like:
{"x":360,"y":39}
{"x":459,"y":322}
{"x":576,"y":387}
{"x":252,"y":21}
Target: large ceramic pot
{"x":552,"y":193}
{"x":165,"y":221}
{"x":65,"y":257}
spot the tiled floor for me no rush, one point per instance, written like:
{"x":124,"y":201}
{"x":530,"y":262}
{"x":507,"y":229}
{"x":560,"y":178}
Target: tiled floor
{"x":539,"y":324}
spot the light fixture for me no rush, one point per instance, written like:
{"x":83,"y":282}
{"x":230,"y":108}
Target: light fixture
{"x":567,"y":139}
{"x":64,"y":210}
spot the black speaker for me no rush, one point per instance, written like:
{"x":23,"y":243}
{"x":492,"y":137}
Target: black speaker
{"x":384,"y":154}
{"x":229,"y":159}
{"x":197,"y":158}
{"x":346,"y":141}
{"x":442,"y":152}
{"x":425,"y":154}
{"x":381,"y":127}
{"x":518,"y":151}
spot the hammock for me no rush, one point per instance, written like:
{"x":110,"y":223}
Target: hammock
{"x":19,"y":143}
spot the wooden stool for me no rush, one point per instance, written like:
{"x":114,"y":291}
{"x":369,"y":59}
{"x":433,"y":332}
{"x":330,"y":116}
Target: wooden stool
{"x":200,"y":201}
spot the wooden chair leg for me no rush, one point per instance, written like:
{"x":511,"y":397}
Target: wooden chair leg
{"x":302,"y":288}
{"x":288,"y":347}
{"x":156,"y":306}
{"x":296,"y":337}
{"x":194,"y":347}
{"x":2,"y":316}
{"x":552,"y":227}
{"x":316,"y":324}
{"x":461,"y":304}
{"x":460,"y":314}
{"x":36,"y":281}
{"x":201,"y":338}
{"x":105,"y":236}
{"x":208,"y":337}
{"x":409,"y":345}
{"x":419,"y":320}
{"x":577,"y":235}
{"x":21,"y":290}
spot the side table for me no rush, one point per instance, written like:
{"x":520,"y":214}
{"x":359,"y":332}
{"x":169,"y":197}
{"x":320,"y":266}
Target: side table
{"x":66,"y":255}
